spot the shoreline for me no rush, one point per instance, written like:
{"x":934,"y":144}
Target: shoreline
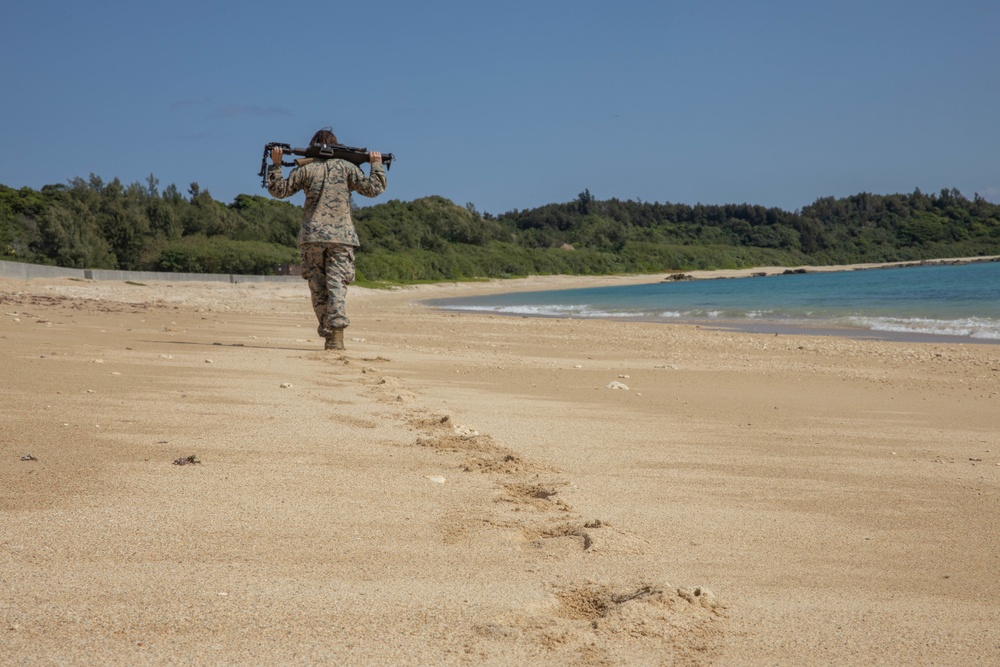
{"x":767,"y":328}
{"x":763,"y":271}
{"x":567,"y":281}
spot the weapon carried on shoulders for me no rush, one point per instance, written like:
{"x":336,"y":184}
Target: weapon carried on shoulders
{"x":356,"y":156}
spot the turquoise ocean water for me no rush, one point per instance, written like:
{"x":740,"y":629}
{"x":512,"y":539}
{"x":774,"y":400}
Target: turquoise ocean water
{"x":931,"y":302}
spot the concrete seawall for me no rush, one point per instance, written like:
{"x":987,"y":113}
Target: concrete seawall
{"x":22,"y":271}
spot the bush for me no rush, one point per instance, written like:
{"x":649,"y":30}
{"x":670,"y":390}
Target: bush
{"x":199,"y":254}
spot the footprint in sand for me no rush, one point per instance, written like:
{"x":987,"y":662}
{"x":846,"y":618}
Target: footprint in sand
{"x":585,"y":624}
{"x":582,"y":624}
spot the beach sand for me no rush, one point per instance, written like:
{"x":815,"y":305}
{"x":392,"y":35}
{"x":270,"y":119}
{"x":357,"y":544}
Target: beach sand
{"x":468,"y":489}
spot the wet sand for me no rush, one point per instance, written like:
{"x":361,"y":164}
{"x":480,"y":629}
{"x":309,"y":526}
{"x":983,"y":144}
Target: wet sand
{"x":470,"y":489}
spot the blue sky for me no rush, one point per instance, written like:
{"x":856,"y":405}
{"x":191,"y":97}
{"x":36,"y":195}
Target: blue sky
{"x":516,"y":104}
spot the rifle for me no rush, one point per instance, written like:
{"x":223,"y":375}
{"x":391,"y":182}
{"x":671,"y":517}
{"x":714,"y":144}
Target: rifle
{"x":353,"y":155}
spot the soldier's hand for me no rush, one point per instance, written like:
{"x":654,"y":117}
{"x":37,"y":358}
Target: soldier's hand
{"x":375,"y":157}
{"x":277,"y":154}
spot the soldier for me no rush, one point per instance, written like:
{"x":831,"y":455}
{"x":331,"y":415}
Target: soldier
{"x":327,"y":238}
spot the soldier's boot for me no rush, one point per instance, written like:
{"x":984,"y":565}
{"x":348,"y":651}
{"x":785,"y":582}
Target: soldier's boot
{"x":335,"y":341}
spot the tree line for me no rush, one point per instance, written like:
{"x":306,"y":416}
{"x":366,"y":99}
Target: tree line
{"x":107,"y":225}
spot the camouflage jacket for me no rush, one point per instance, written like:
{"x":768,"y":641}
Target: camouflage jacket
{"x":328,"y":184}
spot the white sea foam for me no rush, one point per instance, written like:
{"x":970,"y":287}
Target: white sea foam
{"x":983,"y":328}
{"x":566,"y":310}
{"x":972,"y":327}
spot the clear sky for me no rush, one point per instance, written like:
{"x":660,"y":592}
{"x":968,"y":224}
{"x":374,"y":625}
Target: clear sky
{"x":511,"y":105}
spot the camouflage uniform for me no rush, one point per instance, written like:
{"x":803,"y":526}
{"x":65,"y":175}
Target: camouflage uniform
{"x":327,"y":238}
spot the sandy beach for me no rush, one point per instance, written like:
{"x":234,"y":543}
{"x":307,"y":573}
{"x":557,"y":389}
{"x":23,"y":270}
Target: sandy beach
{"x":485,"y":490}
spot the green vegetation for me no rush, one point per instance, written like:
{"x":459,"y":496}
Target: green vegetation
{"x":96,"y":225}
{"x":92,"y":224}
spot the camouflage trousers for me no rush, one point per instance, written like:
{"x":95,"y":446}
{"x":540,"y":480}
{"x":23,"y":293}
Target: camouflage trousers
{"x":329,"y":268}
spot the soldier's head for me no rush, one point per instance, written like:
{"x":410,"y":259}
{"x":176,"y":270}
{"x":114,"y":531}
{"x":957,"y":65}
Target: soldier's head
{"x":325,"y":136}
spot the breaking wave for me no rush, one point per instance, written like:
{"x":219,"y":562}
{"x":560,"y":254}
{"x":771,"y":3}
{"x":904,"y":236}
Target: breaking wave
{"x":971,"y":327}
{"x":583,"y":311}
